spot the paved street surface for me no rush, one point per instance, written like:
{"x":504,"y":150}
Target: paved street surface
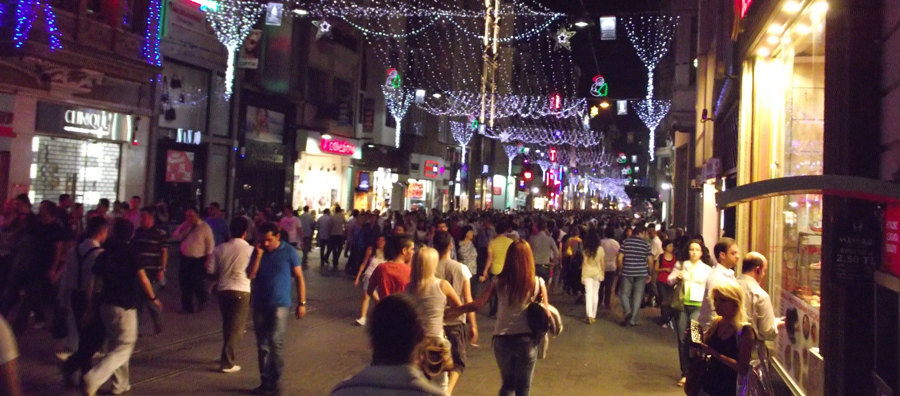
{"x":327,"y":346}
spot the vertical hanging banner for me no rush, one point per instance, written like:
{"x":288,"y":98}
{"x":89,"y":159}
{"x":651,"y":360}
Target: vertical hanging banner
{"x":250,"y":50}
{"x":607,"y":28}
{"x":274,"y":13}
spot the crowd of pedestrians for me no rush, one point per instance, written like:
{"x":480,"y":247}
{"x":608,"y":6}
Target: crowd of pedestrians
{"x":89,"y":276}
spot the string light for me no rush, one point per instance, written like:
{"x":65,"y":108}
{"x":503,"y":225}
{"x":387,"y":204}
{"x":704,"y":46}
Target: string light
{"x":26,"y":14}
{"x":151,"y":36}
{"x":398,"y":102}
{"x":651,"y":36}
{"x":651,"y":112}
{"x":529,"y":106}
{"x":512,"y":151}
{"x":577,"y":157}
{"x":462,"y":134}
{"x":232,"y":23}
{"x":563,"y":38}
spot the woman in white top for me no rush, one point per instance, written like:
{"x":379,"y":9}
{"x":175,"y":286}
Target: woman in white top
{"x":691,"y":274}
{"x":433,"y":295}
{"x":374,"y":257}
{"x":515,"y":346}
{"x":610,"y":253}
{"x":468,"y":255}
{"x":592,"y":273}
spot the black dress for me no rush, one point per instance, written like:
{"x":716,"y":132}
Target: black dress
{"x":721,"y":380}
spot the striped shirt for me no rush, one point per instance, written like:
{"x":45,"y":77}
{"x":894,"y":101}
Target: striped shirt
{"x":635,"y":252}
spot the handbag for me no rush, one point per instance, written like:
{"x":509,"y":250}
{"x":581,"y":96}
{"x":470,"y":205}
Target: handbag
{"x":677,"y":297}
{"x":542,"y":319}
{"x":693,"y":383}
{"x":436,"y":356}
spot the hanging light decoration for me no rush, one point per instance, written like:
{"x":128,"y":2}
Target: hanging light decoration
{"x":651,"y":36}
{"x":651,"y":112}
{"x":151,"y":35}
{"x":232,"y":22}
{"x":398,"y":102}
{"x":26,"y":13}
{"x":462,"y":134}
{"x":512,"y":151}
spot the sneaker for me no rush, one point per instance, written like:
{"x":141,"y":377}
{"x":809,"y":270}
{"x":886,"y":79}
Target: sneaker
{"x":361,"y":321}
{"x":233,"y":369}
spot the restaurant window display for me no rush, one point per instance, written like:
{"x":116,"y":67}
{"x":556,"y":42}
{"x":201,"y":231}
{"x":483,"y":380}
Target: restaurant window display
{"x":789,"y":85}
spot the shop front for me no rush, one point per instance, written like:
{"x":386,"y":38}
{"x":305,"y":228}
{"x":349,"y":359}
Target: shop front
{"x":782,"y":130}
{"x":86,"y":152}
{"x":428,"y":184}
{"x":322,"y":174}
{"x":372,"y":190}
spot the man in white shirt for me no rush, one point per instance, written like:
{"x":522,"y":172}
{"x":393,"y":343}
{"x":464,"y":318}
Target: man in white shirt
{"x":197,"y":244}
{"x":307,"y":225}
{"x":231,"y":265}
{"x":291,"y":225}
{"x":9,"y":362}
{"x":757,"y":304}
{"x":727,"y":254}
{"x":610,"y":253}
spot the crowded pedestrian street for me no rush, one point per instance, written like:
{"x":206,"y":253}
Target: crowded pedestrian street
{"x":327,"y":346}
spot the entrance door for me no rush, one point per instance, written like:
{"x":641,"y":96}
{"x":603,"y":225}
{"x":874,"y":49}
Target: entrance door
{"x":87,"y":170}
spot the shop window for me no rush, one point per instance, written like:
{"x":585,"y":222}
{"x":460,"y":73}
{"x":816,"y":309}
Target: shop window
{"x":87,"y":170}
{"x":184,"y":98}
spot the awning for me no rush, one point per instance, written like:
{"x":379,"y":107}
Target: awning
{"x":844,"y":186}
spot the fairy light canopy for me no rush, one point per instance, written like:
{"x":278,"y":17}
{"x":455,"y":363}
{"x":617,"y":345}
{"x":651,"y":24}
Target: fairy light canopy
{"x":651,"y":112}
{"x":651,"y":36}
{"x":231,"y":22}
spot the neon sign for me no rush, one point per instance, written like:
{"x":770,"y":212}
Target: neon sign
{"x":335,"y":146}
{"x":432,"y":168}
{"x":741,"y":6}
{"x":207,"y":5}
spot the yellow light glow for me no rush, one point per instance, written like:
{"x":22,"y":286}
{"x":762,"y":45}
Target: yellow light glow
{"x":802,"y":29}
{"x":772,"y":40}
{"x":776,"y":29}
{"x":604,"y":104}
{"x":819,"y":7}
{"x":785,"y":40}
{"x":763,"y":52}
{"x":595,"y":111}
{"x":792,"y":6}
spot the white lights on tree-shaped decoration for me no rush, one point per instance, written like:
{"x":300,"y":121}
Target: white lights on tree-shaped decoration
{"x":398,"y":102}
{"x":651,"y":36}
{"x":231,"y":22}
{"x":462,"y":134}
{"x":651,"y":112}
{"x":512,"y":151}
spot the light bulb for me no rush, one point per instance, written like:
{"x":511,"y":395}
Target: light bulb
{"x":776,"y":29}
{"x":772,"y":40}
{"x":763,"y":52}
{"x":791,"y":7}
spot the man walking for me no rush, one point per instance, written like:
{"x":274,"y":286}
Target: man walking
{"x":392,"y":276}
{"x":458,"y":276}
{"x":197,"y":244}
{"x":231,"y":266}
{"x":307,"y":226}
{"x":496,"y":257}
{"x":291,"y":225}
{"x":337,"y":235}
{"x":150,"y":243}
{"x":323,"y":226}
{"x":727,"y":254}
{"x":635,"y":261}
{"x":216,"y":221}
{"x":271,"y":296}
{"x":545,"y":252}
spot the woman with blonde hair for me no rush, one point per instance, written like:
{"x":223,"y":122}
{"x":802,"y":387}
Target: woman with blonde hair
{"x":515,"y":345}
{"x":728,"y":341}
{"x":432,"y":295}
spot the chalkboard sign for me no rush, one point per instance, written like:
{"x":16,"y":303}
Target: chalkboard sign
{"x":857,"y":250}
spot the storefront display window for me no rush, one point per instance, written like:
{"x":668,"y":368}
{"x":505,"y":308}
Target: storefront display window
{"x":793,"y":105}
{"x":87,"y":170}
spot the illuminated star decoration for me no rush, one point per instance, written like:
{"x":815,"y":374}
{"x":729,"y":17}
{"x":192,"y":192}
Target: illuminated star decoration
{"x":563,"y":38}
{"x":324,"y":28}
{"x":599,"y":88}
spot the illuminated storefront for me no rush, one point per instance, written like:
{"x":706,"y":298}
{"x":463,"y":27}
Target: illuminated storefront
{"x":781,"y":129}
{"x":322,"y":173}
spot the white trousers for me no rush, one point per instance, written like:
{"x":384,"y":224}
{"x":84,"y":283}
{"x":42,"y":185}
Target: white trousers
{"x":591,"y":296}
{"x":121,"y":335}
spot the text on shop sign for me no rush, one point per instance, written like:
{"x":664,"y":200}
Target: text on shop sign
{"x":892,"y":240}
{"x":337,"y":146}
{"x":94,"y":123}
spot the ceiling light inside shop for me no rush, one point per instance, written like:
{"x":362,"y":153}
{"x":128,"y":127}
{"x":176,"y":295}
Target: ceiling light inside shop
{"x":792,"y":7}
{"x":763,"y":52}
{"x":301,"y":12}
{"x":802,"y":29}
{"x":326,"y":136}
{"x":785,"y":40}
{"x":819,"y":7}
{"x":772,"y":40}
{"x":776,"y":29}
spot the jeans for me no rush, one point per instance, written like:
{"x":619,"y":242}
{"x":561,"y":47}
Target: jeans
{"x":234,"y":306}
{"x":152,"y":309}
{"x":191,"y":273}
{"x":665,"y":310}
{"x":591,"y":296}
{"x":516,"y":356}
{"x":684,"y":346}
{"x":307,"y":246}
{"x":492,"y":302}
{"x":324,"y":249}
{"x":335,"y":244}
{"x":270,"y":325}
{"x":121,"y":335}
{"x":607,"y":286}
{"x":631,"y":294}
{"x":543,"y":271}
{"x":90,"y":337}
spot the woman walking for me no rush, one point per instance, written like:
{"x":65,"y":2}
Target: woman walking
{"x":374,"y":257}
{"x":664,"y":265}
{"x":432,"y":295}
{"x":729,"y":342}
{"x":592,"y":273}
{"x":515,"y":346}
{"x":690,"y":276}
{"x":468,"y":255}
{"x":610,"y":253}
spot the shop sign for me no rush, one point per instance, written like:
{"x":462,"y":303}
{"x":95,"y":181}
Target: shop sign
{"x":274,"y":12}
{"x":607,"y":28}
{"x":857,"y":250}
{"x":432,"y":169}
{"x":711,"y":169}
{"x":251,"y":50}
{"x":335,"y":146}
{"x":416,"y":191}
{"x":100,"y":124}
{"x":892,"y":240}
{"x":187,"y":136}
{"x":6,"y":120}
{"x":498,"y":191}
{"x":179,"y":166}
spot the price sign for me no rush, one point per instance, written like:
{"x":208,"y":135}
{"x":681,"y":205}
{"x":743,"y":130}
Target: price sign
{"x":857,"y":250}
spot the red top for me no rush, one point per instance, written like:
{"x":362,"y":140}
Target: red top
{"x":663,"y":263}
{"x":389,"y":278}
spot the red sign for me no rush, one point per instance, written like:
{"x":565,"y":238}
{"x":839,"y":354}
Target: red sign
{"x":334,"y":146}
{"x":741,"y":7}
{"x":552,"y":154}
{"x":179,"y":166}
{"x":6,"y":120}
{"x":498,"y":191}
{"x":432,"y":168}
{"x":892,"y":240}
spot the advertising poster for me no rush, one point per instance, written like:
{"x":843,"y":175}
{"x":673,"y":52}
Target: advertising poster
{"x":179,"y":166}
{"x":248,"y":57}
{"x":274,"y":12}
{"x":796,"y":348}
{"x":264,"y":125}
{"x":416,"y":191}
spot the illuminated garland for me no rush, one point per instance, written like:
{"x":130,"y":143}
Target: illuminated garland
{"x":512,"y":151}
{"x":232,"y":23}
{"x":547,"y":131}
{"x":454,"y":104}
{"x":651,"y":112}
{"x":651,"y":36}
{"x":398,"y":102}
{"x":607,"y":187}
{"x":26,"y":14}
{"x":573,"y":156}
{"x":462,"y":134}
{"x":151,"y":35}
